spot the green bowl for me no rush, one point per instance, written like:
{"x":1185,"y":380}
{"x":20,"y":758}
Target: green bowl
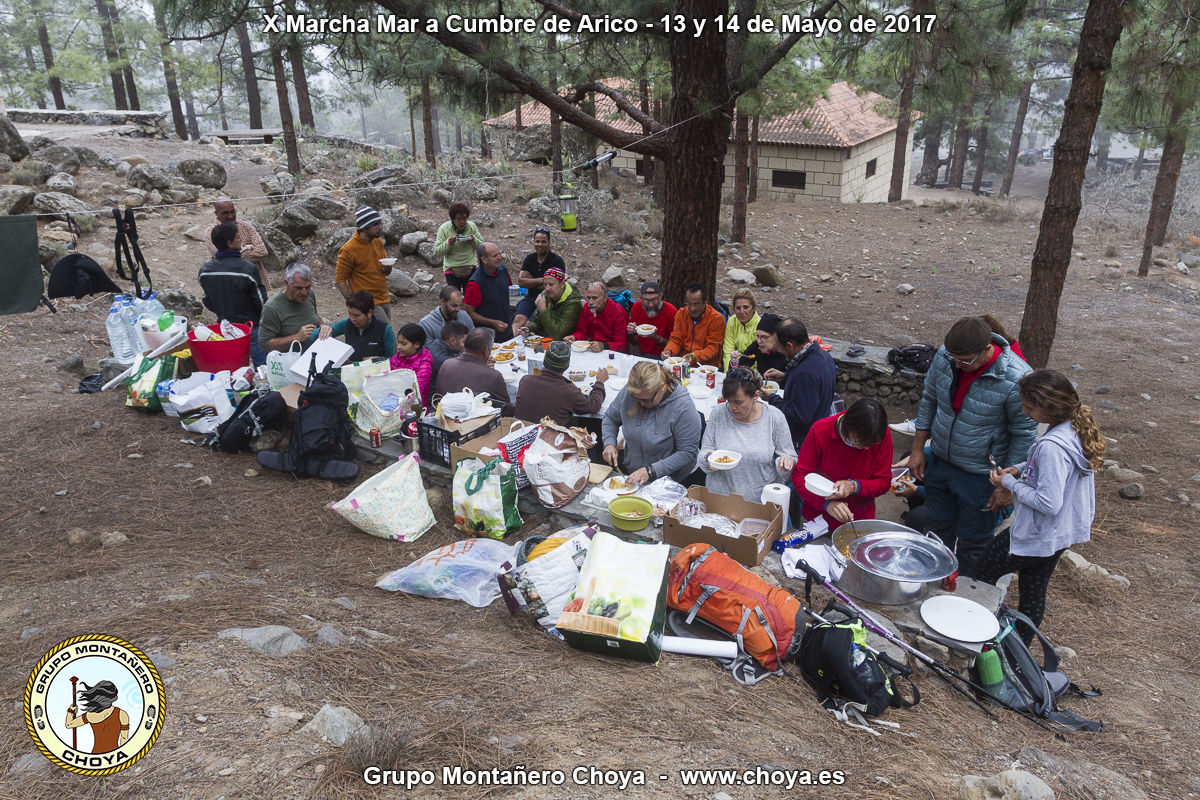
{"x":630,"y":513}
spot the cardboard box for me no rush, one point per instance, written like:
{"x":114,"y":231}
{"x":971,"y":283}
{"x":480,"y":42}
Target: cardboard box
{"x":473,"y":447}
{"x":291,"y":394}
{"x":749,"y":550}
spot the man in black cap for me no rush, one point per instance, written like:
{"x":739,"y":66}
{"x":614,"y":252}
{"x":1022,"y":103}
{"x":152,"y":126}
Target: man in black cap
{"x":552,"y":395}
{"x":970,"y":414}
{"x":653,"y":311}
{"x":765,"y":354}
{"x":360,"y":264}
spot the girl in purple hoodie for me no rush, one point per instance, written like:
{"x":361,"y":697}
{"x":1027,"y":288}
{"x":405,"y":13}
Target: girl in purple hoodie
{"x":1054,"y":492}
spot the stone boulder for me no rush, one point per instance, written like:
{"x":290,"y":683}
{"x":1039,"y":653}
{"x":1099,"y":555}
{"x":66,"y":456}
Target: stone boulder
{"x":402,"y":285}
{"x":385,"y":175}
{"x":40,"y":142}
{"x":296,"y":222}
{"x":1012,"y":784}
{"x":322,"y":206}
{"x":427,"y":253}
{"x":542,"y":209}
{"x":1088,"y":779}
{"x":271,"y":640}
{"x":60,"y":204}
{"x":11,"y":143}
{"x":63,"y":159}
{"x":181,"y":302}
{"x":49,"y":254}
{"x":203,"y":172}
{"x":396,"y":225}
{"x":149,"y":177}
{"x":337,"y":724}
{"x":739,"y":275}
{"x":277,"y":187}
{"x":61,"y":182}
{"x":443,"y":196}
{"x":479,"y":190}
{"x":32,"y":172}
{"x":378,"y":199}
{"x":6,"y":163}
{"x":333,"y":244}
{"x":16,"y":199}
{"x":614,"y":278}
{"x":410,"y":241}
{"x":281,"y":251}
{"x":767,"y":275}
{"x":182,"y":193}
{"x":87,"y":156}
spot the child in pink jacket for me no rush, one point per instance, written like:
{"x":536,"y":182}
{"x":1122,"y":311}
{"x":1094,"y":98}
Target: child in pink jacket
{"x":411,"y":354}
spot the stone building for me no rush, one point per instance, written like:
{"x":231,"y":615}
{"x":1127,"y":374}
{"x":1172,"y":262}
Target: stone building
{"x":839,"y":147}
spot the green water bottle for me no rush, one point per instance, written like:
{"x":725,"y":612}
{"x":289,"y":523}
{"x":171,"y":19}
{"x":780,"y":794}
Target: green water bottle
{"x":987,"y":664}
{"x":166,"y":319}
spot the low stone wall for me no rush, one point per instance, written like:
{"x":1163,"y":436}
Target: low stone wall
{"x":144,"y":123}
{"x":870,"y":375}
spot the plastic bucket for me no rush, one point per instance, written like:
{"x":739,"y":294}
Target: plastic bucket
{"x":214,"y":356}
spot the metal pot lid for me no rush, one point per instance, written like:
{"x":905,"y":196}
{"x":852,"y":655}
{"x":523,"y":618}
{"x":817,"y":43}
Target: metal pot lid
{"x":903,"y":556}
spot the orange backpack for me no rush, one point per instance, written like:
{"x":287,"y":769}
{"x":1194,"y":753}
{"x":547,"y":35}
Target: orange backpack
{"x":766,"y":621}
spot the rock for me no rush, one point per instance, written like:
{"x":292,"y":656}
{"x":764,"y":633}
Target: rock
{"x":1012,"y":784}
{"x":61,"y":182}
{"x":542,"y":209}
{"x":1131,"y":491}
{"x":428,"y":254}
{"x":1073,"y":560}
{"x":203,"y":480}
{"x":30,"y":763}
{"x":181,"y":302}
{"x":29,"y":633}
{"x":334,"y":244}
{"x":250,"y":473}
{"x":16,"y":199}
{"x":1182,"y":268}
{"x":134,"y":161}
{"x":345,"y":602}
{"x":1086,"y":779}
{"x":443,"y":196}
{"x":6,"y":163}
{"x":297,"y":223}
{"x":938,"y":652}
{"x":281,"y":250}
{"x":277,"y":187}
{"x":72,"y":364}
{"x":322,"y":206}
{"x":330,"y":636}
{"x":283,"y":720}
{"x":60,"y":205}
{"x":385,"y":175}
{"x":11,"y":143}
{"x":396,"y":225}
{"x":739,"y":275}
{"x":162,"y":660}
{"x":113,"y":538}
{"x":905,"y":288}
{"x":378,"y":199}
{"x":337,"y":724}
{"x":1102,"y":390}
{"x":49,"y":253}
{"x":78,"y":537}
{"x":767,"y":275}
{"x":424,"y":278}
{"x":402,"y":285}
{"x":1120,"y":580}
{"x":479,"y":190}
{"x":63,"y":159}
{"x":271,"y":640}
{"x":87,"y":156}
{"x":410,"y":241}
{"x":203,"y":172}
{"x":111,"y":368}
{"x":181,"y":193}
{"x":825,"y":278}
{"x":32,"y":172}
{"x":149,"y":177}
{"x":122,"y":169}
{"x":614,"y":278}
{"x":1124,"y":475}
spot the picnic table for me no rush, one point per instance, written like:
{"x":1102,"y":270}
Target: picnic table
{"x":248,"y":135}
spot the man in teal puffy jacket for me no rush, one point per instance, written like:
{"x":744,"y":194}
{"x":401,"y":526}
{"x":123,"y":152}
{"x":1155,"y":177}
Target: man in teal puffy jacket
{"x":970,"y":413}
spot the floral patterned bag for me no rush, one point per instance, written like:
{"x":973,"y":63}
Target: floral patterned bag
{"x":391,"y":504}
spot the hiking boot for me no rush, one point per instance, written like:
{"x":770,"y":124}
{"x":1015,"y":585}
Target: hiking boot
{"x":908,"y":427}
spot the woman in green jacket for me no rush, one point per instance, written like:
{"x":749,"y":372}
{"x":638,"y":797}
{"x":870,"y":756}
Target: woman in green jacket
{"x":742,"y":324}
{"x":455,"y":243}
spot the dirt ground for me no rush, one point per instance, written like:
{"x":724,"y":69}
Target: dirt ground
{"x":443,"y":684}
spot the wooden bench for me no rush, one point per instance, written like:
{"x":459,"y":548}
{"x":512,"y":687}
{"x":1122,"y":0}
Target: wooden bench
{"x":248,"y":135}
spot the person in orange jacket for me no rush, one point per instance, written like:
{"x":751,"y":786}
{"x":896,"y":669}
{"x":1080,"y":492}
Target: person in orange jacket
{"x":699,"y":330}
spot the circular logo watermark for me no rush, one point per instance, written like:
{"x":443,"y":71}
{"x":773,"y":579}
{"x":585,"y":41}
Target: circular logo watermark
{"x":94,"y":704}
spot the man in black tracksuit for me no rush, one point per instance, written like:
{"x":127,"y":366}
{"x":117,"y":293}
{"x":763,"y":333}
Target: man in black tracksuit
{"x":232,"y":287}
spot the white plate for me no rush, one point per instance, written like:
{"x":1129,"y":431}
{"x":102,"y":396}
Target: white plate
{"x":819,"y":484}
{"x":960,"y":619}
{"x":388,"y":262}
{"x":715,"y":454}
{"x":646,"y":330}
{"x":616,"y":384}
{"x":579,"y":347}
{"x":699,"y":390}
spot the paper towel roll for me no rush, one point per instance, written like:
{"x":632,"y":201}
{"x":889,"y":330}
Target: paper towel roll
{"x":777,"y":493}
{"x":699,"y":647}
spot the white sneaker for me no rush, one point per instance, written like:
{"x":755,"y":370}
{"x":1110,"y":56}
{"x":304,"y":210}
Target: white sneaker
{"x":908,"y":427}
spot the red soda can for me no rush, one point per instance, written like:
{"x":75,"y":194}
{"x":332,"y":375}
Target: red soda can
{"x":734,"y":358}
{"x":950,"y":582}
{"x":679,"y":371}
{"x":376,"y":438}
{"x":710,"y":379}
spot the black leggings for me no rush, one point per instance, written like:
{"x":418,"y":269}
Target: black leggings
{"x":1033,"y":576}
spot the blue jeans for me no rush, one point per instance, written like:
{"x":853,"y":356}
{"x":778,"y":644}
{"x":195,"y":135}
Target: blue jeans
{"x":956,"y":504}
{"x":257,"y":356}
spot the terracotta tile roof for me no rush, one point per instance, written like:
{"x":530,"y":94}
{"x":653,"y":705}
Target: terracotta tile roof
{"x":840,"y":119}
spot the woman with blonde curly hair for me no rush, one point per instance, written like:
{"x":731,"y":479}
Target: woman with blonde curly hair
{"x":1054,"y":492}
{"x":742,"y":325}
{"x":661,"y":425}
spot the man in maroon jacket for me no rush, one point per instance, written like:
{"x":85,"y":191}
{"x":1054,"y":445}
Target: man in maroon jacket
{"x":602,"y":322}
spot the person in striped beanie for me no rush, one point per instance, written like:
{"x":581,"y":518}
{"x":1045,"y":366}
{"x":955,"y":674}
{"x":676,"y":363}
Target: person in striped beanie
{"x":359,"y":263}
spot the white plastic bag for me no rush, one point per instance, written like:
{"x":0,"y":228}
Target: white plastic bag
{"x":202,"y":400}
{"x":279,"y":363}
{"x":378,"y":408}
{"x":557,"y":463}
{"x":464,"y":570}
{"x":391,"y":504}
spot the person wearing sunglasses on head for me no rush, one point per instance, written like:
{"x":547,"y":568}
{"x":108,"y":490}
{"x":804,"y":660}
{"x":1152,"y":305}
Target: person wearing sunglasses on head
{"x":971,"y":415}
{"x":661,"y":426}
{"x":533,"y":268}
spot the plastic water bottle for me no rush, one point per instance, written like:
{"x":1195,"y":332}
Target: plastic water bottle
{"x":119,"y":334}
{"x":151,"y":305}
{"x":129,"y":316}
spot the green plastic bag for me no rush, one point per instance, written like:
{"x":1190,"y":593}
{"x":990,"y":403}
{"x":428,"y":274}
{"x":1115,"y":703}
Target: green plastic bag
{"x":143,"y":382}
{"x":485,"y":498}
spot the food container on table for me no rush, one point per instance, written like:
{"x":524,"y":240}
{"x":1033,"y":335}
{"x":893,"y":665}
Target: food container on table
{"x":893,"y":567}
{"x":630,"y":513}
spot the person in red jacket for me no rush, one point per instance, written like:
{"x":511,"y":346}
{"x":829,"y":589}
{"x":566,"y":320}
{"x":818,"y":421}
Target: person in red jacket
{"x":602,"y":322}
{"x":853,"y":449}
{"x":651,"y":310}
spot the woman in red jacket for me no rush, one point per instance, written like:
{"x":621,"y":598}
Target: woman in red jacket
{"x":853,"y":449}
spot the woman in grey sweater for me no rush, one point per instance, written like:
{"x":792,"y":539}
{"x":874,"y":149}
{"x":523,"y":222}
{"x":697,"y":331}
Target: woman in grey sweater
{"x":661,"y":424}
{"x":756,"y":430}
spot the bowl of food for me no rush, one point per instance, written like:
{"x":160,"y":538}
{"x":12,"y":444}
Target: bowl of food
{"x":503,"y":356}
{"x":388,"y":262}
{"x":617,"y":484}
{"x":672,"y":361}
{"x":724,"y":459}
{"x":579,"y":347}
{"x":771,"y":387}
{"x":630,"y":513}
{"x":576,"y":375}
{"x":646,"y":330}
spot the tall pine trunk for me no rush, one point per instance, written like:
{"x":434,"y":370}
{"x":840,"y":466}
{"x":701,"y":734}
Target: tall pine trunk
{"x":427,"y":121}
{"x":962,"y":140}
{"x":930,"y":163}
{"x":172,"y":81}
{"x":741,"y":158}
{"x":295,"y":50}
{"x":110,"y":53}
{"x":39,"y":97}
{"x":752,"y":192}
{"x":39,"y":9}
{"x":362,"y":118}
{"x":556,"y":162}
{"x":1102,"y":26}
{"x":192,"y":121}
{"x":126,"y":68}
{"x":981,"y":145}
{"x":412,"y":127}
{"x":290,"y":145}
{"x":485,"y":149}
{"x":253,"y":99}
{"x":1014,"y":143}
{"x":1163,"y":199}
{"x":437,"y":130}
{"x":900,"y":151}
{"x":458,"y":142}
{"x":517,"y":110}
{"x":647,"y":161}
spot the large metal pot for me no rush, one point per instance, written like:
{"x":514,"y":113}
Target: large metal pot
{"x":843,"y":535}
{"x":893,"y":567}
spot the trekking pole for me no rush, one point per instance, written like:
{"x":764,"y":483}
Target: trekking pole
{"x":940,"y":669}
{"x":75,"y":704}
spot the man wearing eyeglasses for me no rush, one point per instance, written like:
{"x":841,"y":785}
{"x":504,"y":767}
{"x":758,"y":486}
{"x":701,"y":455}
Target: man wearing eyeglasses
{"x":970,"y":414}
{"x":533,"y":268}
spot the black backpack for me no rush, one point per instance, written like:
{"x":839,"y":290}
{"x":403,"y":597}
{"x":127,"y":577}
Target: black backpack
{"x":917,"y":357}
{"x":321,"y":444}
{"x":835,"y":660}
{"x":256,"y":412}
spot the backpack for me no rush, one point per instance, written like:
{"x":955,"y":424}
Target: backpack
{"x":766,"y":621}
{"x":1030,"y":687}
{"x":624,"y":297}
{"x":78,"y":275}
{"x":254,"y":413}
{"x":836,"y":661}
{"x":321,"y":444}
{"x":917,"y":357}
